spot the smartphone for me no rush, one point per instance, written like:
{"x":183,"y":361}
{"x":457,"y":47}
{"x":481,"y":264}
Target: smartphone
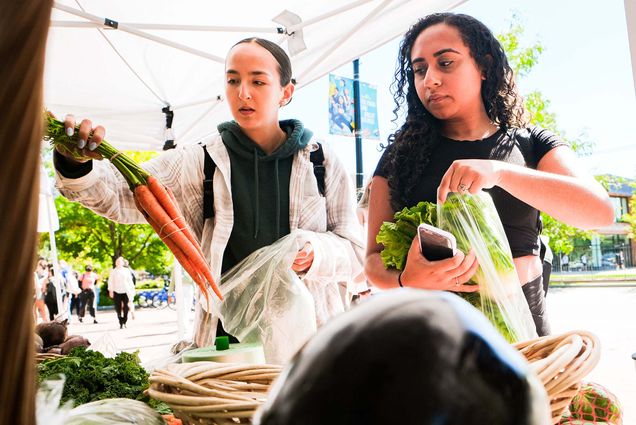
{"x":436,"y":244}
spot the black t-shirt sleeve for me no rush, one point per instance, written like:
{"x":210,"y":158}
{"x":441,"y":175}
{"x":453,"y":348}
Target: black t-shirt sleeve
{"x":544,"y":141}
{"x":382,"y":169}
{"x":69,"y":169}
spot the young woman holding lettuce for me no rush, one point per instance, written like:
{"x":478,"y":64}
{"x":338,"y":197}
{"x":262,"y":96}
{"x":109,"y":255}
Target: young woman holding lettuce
{"x":465,"y":131}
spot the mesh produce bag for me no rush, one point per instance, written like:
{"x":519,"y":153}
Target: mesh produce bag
{"x":474,"y":222}
{"x":593,"y":404}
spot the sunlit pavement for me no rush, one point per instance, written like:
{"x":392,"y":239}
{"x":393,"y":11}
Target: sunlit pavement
{"x":609,"y":312}
{"x":152,"y":332}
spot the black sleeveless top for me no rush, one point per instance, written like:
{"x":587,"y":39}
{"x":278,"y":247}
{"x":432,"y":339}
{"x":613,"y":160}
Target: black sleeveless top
{"x":524,"y":147}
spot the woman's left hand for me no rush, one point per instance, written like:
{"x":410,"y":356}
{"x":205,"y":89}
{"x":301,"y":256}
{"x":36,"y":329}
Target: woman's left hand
{"x":470,"y":176}
{"x":304,"y":259}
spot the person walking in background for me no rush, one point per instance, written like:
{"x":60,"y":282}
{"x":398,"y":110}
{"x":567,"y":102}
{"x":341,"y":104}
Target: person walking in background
{"x":75,"y":291}
{"x":51,"y":283}
{"x":88,"y":284}
{"x":119,"y":283}
{"x":620,"y":260}
{"x":584,"y":262}
{"x":565,"y":262}
{"x":548,"y":256}
{"x":39,"y":277}
{"x":131,"y":291}
{"x":65,"y":286}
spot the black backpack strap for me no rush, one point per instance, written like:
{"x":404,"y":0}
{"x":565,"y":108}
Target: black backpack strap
{"x":208,"y":189}
{"x":317,"y":158}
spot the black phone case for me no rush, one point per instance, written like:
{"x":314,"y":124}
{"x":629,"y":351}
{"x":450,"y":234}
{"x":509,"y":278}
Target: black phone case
{"x":434,"y":247}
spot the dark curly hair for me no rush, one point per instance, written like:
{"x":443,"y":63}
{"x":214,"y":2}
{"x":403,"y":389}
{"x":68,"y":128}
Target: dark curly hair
{"x":418,"y":136}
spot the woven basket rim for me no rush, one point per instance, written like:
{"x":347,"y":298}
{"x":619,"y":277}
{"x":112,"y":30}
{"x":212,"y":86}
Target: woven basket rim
{"x":561,"y":362}
{"x":211,"y":392}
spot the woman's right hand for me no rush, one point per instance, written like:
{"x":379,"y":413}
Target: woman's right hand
{"x":450,"y":274}
{"x":89,"y":139}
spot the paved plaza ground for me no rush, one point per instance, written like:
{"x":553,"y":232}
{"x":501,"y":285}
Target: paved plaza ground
{"x":609,"y":312}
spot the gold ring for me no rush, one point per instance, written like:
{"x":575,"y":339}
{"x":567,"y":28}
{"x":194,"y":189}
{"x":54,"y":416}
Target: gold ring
{"x":462,"y":187}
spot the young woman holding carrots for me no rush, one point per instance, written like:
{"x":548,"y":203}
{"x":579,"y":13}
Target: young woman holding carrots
{"x":465,"y":131}
{"x":264,"y":184}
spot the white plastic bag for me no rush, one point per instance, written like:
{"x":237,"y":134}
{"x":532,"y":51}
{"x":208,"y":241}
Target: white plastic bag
{"x":106,"y":345}
{"x":111,"y":411}
{"x":114,"y":411}
{"x":47,"y":402}
{"x":265,"y":302}
{"x":474,"y":222}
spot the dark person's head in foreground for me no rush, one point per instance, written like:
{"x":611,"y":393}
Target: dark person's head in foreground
{"x":407,"y":356}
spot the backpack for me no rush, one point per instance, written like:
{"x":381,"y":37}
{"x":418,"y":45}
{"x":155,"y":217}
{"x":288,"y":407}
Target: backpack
{"x":316,"y":157}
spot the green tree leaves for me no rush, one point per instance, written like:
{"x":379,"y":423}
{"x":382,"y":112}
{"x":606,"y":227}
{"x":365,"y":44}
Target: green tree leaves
{"x":85,"y":237}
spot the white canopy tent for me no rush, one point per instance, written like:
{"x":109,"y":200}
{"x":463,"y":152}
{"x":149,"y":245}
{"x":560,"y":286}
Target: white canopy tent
{"x":125,"y":64}
{"x":120,"y":62}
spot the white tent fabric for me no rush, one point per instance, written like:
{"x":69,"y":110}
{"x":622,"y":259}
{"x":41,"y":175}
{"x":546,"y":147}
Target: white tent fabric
{"x":167,"y":53}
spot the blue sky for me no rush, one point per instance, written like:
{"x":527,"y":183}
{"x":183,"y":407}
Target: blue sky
{"x":584,"y":71}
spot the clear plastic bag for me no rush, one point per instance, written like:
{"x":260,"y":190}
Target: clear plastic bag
{"x":174,"y":354}
{"x":106,"y":345}
{"x":474,"y":222}
{"x":110,"y":411}
{"x":114,"y":411}
{"x":47,"y":402}
{"x":265,"y":302}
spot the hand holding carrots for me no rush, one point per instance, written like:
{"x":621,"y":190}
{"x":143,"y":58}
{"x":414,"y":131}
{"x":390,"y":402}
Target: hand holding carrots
{"x":153,"y":199}
{"x":88,"y":139}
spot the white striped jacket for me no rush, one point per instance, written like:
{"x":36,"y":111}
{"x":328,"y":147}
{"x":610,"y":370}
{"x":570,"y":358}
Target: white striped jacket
{"x":336,"y":238}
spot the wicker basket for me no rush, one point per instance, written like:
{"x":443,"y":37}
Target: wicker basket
{"x":561,"y":362}
{"x":213,"y":393}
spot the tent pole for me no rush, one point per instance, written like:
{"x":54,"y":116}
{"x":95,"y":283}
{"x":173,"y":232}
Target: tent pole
{"x":168,"y":27}
{"x":215,"y":99}
{"x":357,"y":122}
{"x":58,"y":275}
{"x":177,"y":275}
{"x":128,"y":29}
{"x":212,"y":28}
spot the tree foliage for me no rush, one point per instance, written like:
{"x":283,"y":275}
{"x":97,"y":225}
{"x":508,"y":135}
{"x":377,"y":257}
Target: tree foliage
{"x":522,"y":59}
{"x":85,"y":237}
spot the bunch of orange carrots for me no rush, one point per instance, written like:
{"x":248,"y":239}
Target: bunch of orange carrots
{"x":155,"y":201}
